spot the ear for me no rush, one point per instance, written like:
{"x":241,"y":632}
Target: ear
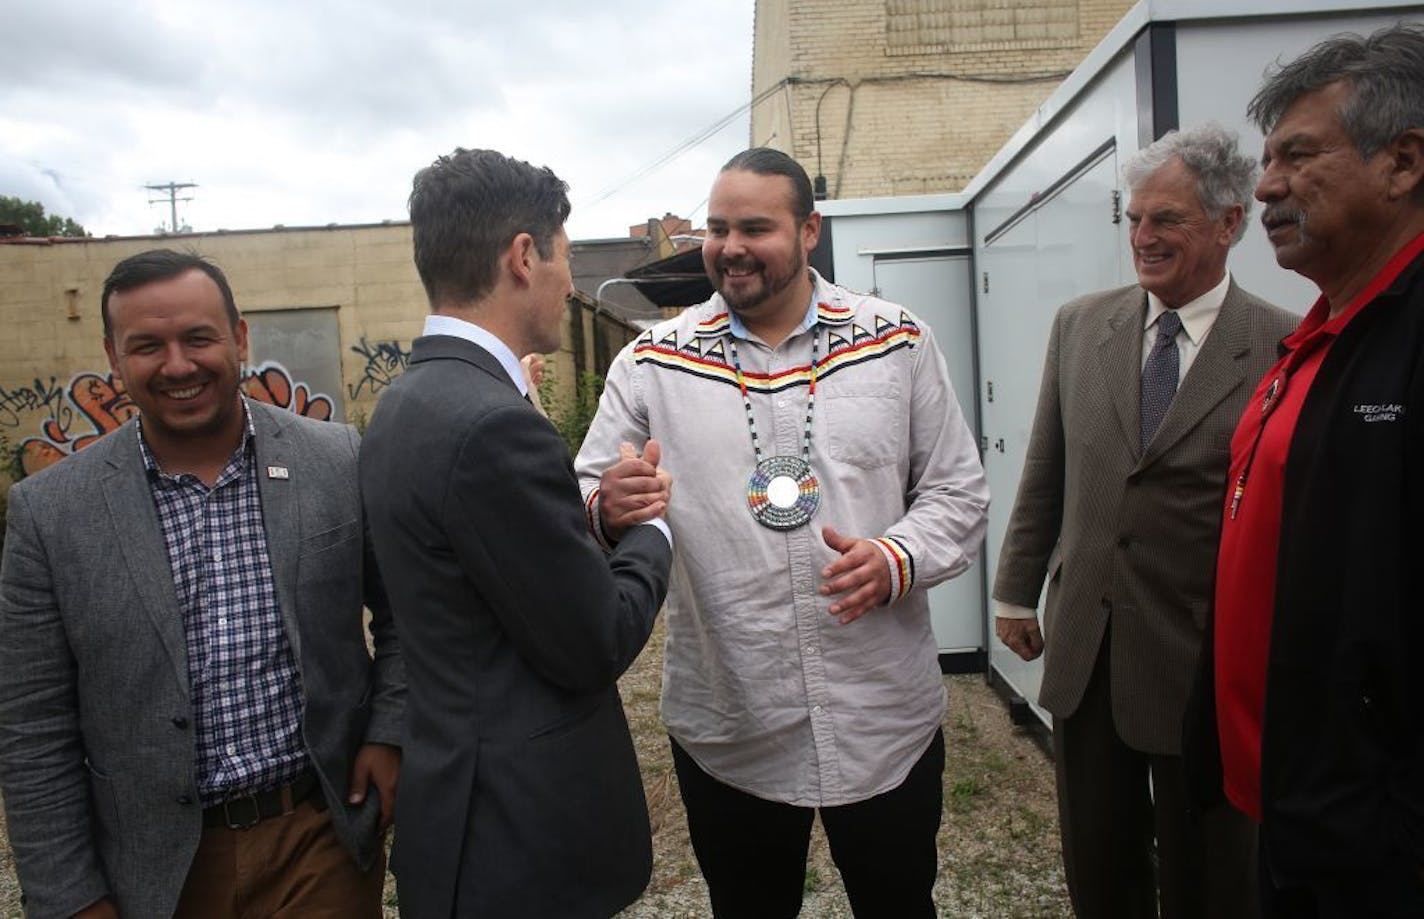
{"x":1230,"y":222}
{"x":520,"y":257}
{"x":1406,"y":163}
{"x":239,"y":334}
{"x":113,"y":357}
{"x":811,"y":231}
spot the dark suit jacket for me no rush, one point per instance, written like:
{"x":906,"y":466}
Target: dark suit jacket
{"x":96,"y":744}
{"x":1120,"y":533}
{"x":520,"y":792}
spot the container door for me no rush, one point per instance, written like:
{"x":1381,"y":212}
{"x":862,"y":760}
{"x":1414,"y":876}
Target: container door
{"x":1068,"y":246}
{"x":936,"y":289}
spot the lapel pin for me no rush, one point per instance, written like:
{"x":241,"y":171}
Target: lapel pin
{"x":278,"y":472}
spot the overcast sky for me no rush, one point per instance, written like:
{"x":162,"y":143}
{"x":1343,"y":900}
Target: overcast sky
{"x":307,"y":113}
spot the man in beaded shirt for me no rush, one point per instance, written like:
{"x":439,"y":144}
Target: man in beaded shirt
{"x":826,"y":479}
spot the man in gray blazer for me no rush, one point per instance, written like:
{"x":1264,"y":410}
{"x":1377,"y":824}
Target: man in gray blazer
{"x":190,"y":721}
{"x":520,"y":794}
{"x":1119,"y":509}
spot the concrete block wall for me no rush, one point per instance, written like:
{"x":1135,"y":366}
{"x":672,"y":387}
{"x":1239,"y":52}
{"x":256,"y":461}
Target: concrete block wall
{"x":896,"y":117}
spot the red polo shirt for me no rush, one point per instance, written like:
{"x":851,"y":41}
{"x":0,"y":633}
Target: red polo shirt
{"x":1250,"y":535}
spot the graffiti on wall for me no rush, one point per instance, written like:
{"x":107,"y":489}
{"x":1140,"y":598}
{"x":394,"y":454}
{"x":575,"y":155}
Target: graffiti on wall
{"x":94,"y":404}
{"x":385,"y":360}
{"x":36,"y":396}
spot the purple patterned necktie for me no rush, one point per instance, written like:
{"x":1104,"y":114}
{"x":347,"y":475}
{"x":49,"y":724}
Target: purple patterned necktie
{"x":1159,"y":375}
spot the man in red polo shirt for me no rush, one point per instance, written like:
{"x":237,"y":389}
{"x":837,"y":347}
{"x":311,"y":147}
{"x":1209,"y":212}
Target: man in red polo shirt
{"x":1319,"y":695}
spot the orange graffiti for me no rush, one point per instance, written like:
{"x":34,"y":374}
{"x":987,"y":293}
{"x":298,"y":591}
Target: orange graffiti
{"x":271,"y":383}
{"x":105,"y":404}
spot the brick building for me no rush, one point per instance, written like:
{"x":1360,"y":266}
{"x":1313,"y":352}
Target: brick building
{"x":899,"y":97}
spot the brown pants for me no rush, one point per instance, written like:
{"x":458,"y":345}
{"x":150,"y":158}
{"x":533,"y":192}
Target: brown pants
{"x":1128,"y":839}
{"x":292,"y":866}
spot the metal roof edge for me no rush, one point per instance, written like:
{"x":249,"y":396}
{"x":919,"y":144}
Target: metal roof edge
{"x":893,"y":204}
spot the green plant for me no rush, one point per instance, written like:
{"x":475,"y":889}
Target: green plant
{"x":572,"y":416}
{"x":10,"y":465}
{"x":11,"y":471}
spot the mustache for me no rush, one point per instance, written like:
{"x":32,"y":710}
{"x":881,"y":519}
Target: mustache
{"x":1282,"y":213}
{"x":724,"y":264}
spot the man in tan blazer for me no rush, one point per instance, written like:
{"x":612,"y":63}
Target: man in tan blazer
{"x":1119,"y":510}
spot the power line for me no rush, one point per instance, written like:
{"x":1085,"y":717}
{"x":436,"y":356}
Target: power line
{"x":675,"y":152}
{"x":172,"y":188}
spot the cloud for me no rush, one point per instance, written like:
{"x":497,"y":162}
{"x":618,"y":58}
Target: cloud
{"x":310,"y":113}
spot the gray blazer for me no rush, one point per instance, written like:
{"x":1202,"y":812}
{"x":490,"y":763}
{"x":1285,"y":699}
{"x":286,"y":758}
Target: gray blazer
{"x":1121,"y":534}
{"x":96,"y":744}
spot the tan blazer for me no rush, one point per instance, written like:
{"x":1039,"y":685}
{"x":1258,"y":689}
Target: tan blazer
{"x":1124,"y":535}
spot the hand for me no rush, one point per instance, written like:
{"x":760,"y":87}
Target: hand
{"x":533,"y":367}
{"x":861,"y":575}
{"x":1020,"y":636}
{"x":376,"y":764}
{"x":100,"y":909}
{"x":633,"y":490}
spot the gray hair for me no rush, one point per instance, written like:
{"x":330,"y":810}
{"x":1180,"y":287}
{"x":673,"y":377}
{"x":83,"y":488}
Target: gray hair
{"x":1225,"y":177}
{"x":1385,"y":73}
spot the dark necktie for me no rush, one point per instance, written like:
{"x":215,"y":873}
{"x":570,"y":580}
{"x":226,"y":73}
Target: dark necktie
{"x":1159,"y":375}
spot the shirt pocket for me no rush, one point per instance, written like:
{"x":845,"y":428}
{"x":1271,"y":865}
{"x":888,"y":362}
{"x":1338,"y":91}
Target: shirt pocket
{"x":865,"y":428}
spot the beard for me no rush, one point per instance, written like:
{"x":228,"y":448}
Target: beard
{"x":771,"y":284}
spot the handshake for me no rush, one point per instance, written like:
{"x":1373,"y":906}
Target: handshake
{"x":633,"y":490}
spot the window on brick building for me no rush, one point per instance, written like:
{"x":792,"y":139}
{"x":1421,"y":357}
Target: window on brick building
{"x":940,"y":26}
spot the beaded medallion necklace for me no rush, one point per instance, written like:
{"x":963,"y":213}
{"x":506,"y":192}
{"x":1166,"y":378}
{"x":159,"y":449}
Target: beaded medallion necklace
{"x":782,"y":491}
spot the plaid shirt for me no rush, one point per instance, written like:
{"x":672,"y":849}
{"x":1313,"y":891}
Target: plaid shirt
{"x":246,"y":691}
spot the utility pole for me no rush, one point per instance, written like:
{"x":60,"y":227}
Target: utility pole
{"x":172,"y":188}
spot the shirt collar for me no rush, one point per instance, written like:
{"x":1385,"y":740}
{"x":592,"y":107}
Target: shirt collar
{"x":459,"y":328}
{"x":739,"y":328}
{"x":151,"y":465}
{"x":1318,"y":320}
{"x":1198,"y":316}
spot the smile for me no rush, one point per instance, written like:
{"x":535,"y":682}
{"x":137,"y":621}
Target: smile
{"x":187,"y":392}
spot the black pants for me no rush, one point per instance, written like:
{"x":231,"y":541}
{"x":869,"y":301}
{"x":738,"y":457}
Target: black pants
{"x":1390,"y":889}
{"x":752,"y":852}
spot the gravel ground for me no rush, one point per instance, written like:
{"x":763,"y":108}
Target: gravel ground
{"x":999,"y":853}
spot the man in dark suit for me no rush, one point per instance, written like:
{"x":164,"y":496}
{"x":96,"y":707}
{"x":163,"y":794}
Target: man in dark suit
{"x":1119,"y":509}
{"x":521,"y":794}
{"x":190,"y":721}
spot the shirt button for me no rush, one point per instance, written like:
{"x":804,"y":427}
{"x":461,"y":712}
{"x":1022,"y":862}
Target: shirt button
{"x":232,"y":749}
{"x":180,"y":722}
{"x":781,"y":403}
{"x":816,"y":710}
{"x":217,"y":556}
{"x":184,"y":800}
